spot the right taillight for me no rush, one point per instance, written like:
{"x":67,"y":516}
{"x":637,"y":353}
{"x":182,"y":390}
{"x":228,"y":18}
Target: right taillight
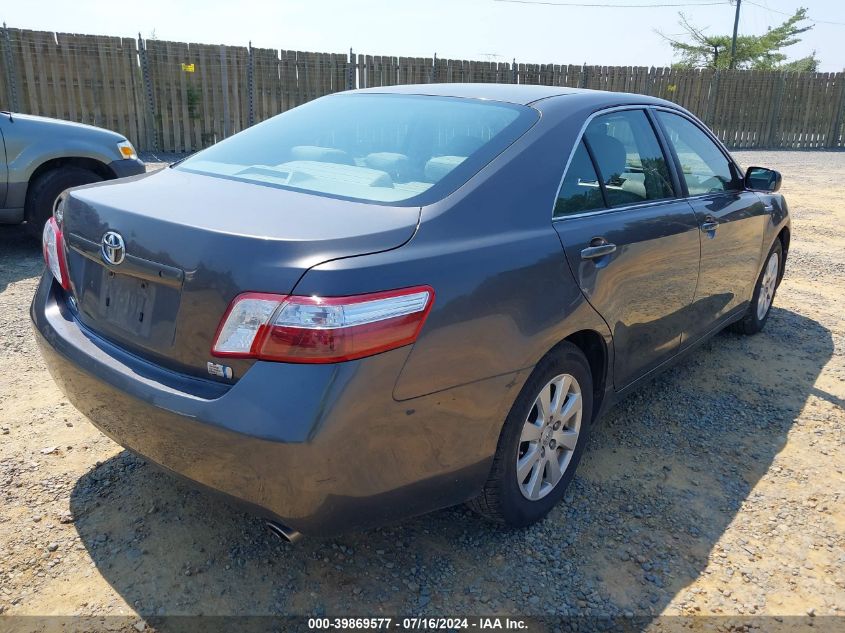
{"x":298,"y":329}
{"x":54,"y":252}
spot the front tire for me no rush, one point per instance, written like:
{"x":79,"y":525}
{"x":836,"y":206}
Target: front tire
{"x":44,"y":193}
{"x":754,"y":319}
{"x":541,"y":442}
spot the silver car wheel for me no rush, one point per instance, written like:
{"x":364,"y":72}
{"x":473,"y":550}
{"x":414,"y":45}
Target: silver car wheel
{"x":768,"y":284}
{"x":549,"y":437}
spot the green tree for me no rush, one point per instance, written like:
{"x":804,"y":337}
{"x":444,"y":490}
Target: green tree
{"x":759,"y":52}
{"x":805,"y":64}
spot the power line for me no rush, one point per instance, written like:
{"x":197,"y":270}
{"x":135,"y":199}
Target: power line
{"x":756,"y":4}
{"x":605,"y":5}
{"x":615,"y":6}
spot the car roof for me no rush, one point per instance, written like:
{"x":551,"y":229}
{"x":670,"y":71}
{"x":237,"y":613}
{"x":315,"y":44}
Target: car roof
{"x":520,"y":94}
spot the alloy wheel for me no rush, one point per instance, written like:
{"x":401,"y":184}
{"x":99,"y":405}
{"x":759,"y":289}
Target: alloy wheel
{"x":768,"y":284}
{"x":549,"y":437}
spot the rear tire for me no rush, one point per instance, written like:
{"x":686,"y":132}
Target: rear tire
{"x":513,"y":494}
{"x":755,"y":317}
{"x":43,"y":194}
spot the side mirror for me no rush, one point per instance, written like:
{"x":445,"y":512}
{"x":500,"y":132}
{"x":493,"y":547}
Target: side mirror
{"x":762,"y":179}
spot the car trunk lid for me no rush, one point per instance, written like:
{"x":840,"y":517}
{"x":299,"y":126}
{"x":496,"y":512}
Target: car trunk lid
{"x":192,"y":243}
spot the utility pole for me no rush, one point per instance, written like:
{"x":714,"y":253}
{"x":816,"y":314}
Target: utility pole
{"x":733,"y":41}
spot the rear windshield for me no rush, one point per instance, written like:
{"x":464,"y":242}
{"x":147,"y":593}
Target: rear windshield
{"x":380,"y":148}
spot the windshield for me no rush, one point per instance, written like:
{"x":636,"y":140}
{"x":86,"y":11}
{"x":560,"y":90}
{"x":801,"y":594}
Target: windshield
{"x":380,"y":148}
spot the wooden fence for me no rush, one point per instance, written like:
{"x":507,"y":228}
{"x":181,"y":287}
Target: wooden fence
{"x":175,"y":96}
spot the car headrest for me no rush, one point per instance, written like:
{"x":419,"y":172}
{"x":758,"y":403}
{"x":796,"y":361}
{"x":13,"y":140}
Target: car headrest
{"x":609,"y":153}
{"x":397,"y":165}
{"x":321,"y":154}
{"x":439,"y":166}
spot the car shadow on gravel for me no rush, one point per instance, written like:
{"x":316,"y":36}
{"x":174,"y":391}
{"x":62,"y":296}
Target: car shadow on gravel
{"x":666,"y":472}
{"x":20,"y":255}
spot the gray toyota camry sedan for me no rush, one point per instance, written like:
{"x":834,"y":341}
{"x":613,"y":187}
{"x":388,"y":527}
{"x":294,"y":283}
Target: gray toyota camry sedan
{"x":393,"y":300}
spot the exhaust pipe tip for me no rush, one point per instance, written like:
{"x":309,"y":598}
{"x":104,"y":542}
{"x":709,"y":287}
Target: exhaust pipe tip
{"x":284,"y":532}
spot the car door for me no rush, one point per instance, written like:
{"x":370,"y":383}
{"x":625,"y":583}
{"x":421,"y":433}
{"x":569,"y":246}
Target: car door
{"x":631,"y":241}
{"x":732,"y":222}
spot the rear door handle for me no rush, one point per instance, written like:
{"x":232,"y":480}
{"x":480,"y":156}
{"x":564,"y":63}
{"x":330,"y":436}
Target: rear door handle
{"x":709,"y":225}
{"x":599,"y":250}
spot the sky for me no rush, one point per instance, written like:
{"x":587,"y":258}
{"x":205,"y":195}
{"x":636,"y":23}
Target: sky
{"x":468,"y":29}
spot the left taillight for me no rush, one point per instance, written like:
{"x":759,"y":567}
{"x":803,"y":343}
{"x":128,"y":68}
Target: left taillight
{"x":298,"y":329}
{"x":53,"y":246}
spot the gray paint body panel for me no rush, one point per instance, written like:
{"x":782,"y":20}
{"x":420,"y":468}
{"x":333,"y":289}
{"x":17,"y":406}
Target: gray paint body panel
{"x":225,"y":237}
{"x":645,"y":288}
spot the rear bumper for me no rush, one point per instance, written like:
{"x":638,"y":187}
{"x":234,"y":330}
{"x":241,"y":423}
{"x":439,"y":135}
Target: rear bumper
{"x":320,"y":448}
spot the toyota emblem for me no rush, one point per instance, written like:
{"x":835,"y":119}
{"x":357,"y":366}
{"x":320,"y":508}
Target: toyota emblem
{"x":113,"y":248}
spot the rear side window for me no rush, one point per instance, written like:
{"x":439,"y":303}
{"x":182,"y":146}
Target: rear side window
{"x":580,"y":190}
{"x":629,"y":159}
{"x":705,"y":168}
{"x":381,"y":148}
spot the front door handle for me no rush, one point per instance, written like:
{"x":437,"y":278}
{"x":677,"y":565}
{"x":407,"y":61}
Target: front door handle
{"x":597,"y":250}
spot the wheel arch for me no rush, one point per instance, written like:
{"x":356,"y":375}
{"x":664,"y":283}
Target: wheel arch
{"x":784,"y":236}
{"x":594,"y":347}
{"x":91,"y":164}
{"x":53,"y":164}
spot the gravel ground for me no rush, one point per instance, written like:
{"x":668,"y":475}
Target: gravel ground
{"x":717,"y":489}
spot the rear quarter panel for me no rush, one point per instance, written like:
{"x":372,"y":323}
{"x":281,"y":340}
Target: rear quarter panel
{"x":504,"y":292}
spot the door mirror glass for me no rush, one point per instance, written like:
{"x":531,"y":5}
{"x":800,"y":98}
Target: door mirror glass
{"x":762,"y":179}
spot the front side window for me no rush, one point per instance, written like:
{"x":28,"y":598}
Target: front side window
{"x":580,"y":190}
{"x":629,"y":159}
{"x":382,"y":148}
{"x":704,"y":167}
